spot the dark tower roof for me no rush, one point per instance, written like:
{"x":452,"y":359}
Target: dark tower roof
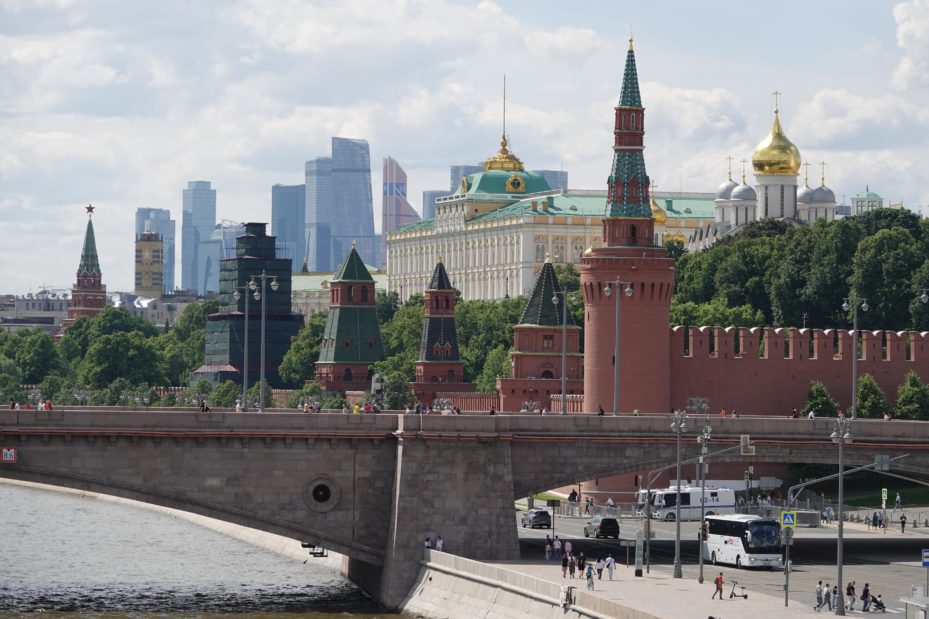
{"x":540,"y":310}
{"x":629,"y":96}
{"x":90,"y":263}
{"x":440,"y":280}
{"x":353,"y":269}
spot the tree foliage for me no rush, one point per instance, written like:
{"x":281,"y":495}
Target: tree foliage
{"x":912,"y":399}
{"x":871,"y":401}
{"x":819,"y":401}
{"x":496,"y":366}
{"x":299,"y":363}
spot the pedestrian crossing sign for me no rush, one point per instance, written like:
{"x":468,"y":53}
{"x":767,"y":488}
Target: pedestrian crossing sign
{"x":788,"y":520}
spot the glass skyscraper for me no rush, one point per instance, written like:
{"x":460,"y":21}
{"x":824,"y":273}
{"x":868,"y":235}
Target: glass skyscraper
{"x":457,"y":171}
{"x":396,"y":211}
{"x":199,"y":217}
{"x":556,"y":179}
{"x":288,"y":222}
{"x":158,"y":220}
{"x":429,"y":198}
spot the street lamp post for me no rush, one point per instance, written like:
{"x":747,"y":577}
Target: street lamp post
{"x":841,"y":435}
{"x":608,"y":290}
{"x":679,"y":426}
{"x":264,"y":298}
{"x":703,"y":440}
{"x":564,"y":347}
{"x":853,"y":303}
{"x":248,"y":288}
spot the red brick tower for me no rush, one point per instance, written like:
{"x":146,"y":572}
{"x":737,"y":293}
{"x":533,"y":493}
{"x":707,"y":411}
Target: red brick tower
{"x":88,"y":296}
{"x":647,"y":275}
{"x":439,"y":367}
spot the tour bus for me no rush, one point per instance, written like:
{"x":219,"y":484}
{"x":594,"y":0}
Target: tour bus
{"x":743,"y":540}
{"x":664,"y":502}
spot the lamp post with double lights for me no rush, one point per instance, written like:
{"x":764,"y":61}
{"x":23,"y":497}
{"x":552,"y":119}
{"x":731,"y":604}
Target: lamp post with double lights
{"x":249,"y":291}
{"x":679,"y":426}
{"x":608,"y":290}
{"x":841,"y":435}
{"x":703,"y":440}
{"x":564,"y":346}
{"x":264,"y":315}
{"x":854,"y":303}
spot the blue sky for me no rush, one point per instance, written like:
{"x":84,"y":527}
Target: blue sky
{"x":121,"y":103}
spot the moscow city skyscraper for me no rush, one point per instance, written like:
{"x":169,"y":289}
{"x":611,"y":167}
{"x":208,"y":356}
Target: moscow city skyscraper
{"x":288,"y":222}
{"x":396,"y":211}
{"x":158,"y":220}
{"x":339,"y":206}
{"x":199,"y":218}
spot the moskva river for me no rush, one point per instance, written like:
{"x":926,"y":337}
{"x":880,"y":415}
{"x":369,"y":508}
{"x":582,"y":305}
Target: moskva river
{"x":66,"y":556}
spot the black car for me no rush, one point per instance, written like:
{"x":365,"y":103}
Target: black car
{"x":602,"y":527}
{"x":537,"y":518}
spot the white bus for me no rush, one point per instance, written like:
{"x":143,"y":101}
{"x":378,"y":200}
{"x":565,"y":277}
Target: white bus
{"x":743,"y":540}
{"x":663,"y":504}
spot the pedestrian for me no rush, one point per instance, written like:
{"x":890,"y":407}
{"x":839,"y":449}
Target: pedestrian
{"x":850,"y":595}
{"x":439,"y":543}
{"x":898,"y":503}
{"x":427,"y":543}
{"x":827,"y":597}
{"x":880,"y":520}
{"x":590,"y":577}
{"x":600,"y":565}
{"x":719,"y":585}
{"x":903,"y":523}
{"x":795,"y":414}
{"x":493,"y":411}
{"x":610,"y":564}
{"x":407,"y":411}
{"x":572,"y":564}
{"x":866,"y":598}
{"x":306,"y":406}
{"x":581,"y":563}
{"x":600,"y":412}
{"x":874,"y":520}
{"x":548,"y":548}
{"x":819,"y":596}
{"x":564,"y":566}
{"x":811,"y":415}
{"x":238,"y":406}
{"x":556,"y":546}
{"x":722,"y":412}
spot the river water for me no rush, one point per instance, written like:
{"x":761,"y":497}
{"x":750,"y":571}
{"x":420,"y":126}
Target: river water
{"x":66,"y":556}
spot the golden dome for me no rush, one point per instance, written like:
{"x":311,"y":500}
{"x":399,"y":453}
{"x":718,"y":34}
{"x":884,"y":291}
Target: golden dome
{"x":504,"y":159}
{"x":675,"y":236}
{"x":658,"y":213}
{"x":776,"y":154}
{"x":589,"y":251}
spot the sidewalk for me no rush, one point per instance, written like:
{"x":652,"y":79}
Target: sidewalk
{"x":663,"y":596}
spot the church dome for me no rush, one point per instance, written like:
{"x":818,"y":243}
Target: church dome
{"x":725,"y":190}
{"x":776,"y":155}
{"x":658,"y":213}
{"x":744,"y":192}
{"x":823,"y":194}
{"x":805,"y":195}
{"x":504,"y":159}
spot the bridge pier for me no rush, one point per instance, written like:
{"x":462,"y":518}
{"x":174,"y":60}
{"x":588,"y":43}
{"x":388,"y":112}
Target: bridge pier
{"x":460,"y":490}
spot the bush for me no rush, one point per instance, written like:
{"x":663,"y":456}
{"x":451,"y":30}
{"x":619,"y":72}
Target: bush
{"x":819,"y":401}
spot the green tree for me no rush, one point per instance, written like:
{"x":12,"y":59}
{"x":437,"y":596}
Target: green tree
{"x":403,"y":333}
{"x":482,"y":326}
{"x":819,"y":401}
{"x":568,"y":277}
{"x":675,"y":249}
{"x":299,"y":363}
{"x":118,"y":320}
{"x":76,"y":340}
{"x":121,"y":355}
{"x":307,"y":391}
{"x":872,"y":403}
{"x":788,"y":278}
{"x":225,"y":395}
{"x":919,"y":311}
{"x":715,"y":313}
{"x":875,"y":220}
{"x":387,"y":305}
{"x":11,"y":379}
{"x":398,"y":394}
{"x":881,"y":271}
{"x":912,"y":399}
{"x":496,"y":365}
{"x":834,"y":248}
{"x":36,"y":356}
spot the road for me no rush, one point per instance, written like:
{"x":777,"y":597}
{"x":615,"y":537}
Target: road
{"x":889,"y":561}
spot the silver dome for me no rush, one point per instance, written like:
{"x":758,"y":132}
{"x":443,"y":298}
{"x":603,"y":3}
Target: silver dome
{"x":805,"y":195}
{"x":823,"y":194}
{"x":743,"y":192}
{"x":725,"y":190}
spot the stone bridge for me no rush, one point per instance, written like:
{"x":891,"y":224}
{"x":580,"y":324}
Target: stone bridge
{"x":373,"y":487}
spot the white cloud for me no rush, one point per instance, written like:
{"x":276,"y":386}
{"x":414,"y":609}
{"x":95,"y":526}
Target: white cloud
{"x":913,"y":37}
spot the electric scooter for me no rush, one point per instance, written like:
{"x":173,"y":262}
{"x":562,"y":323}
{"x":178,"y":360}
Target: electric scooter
{"x":733,"y":594}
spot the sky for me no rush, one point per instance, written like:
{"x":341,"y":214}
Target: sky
{"x":120,"y":103}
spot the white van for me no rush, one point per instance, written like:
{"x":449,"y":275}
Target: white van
{"x":663,"y":503}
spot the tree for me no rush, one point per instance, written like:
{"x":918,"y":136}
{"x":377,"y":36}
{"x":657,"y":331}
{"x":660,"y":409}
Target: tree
{"x":402,"y":335}
{"x":225,"y":395}
{"x":787,"y":278}
{"x":830,"y":267}
{"x":306,"y":392}
{"x":912,"y":399}
{"x":11,"y":379}
{"x":482,"y":326}
{"x":36,"y":356}
{"x":675,"y":249}
{"x":398,"y":393}
{"x":76,"y":340}
{"x":117,"y":320}
{"x":819,"y":401}
{"x":387,"y":305}
{"x":299,"y":363}
{"x":131,"y":356}
{"x":568,"y":277}
{"x":496,"y":365}
{"x":715,"y":314}
{"x":881,"y":271}
{"x":872,"y":403}
{"x":875,"y":220}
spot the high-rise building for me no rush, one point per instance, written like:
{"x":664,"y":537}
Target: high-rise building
{"x":199,"y":217}
{"x":149,"y":265}
{"x":458,"y":172}
{"x":288,"y":222}
{"x":429,"y":198}
{"x":158,"y":220}
{"x":339,"y":205}
{"x":218,"y":246}
{"x":396,"y":211}
{"x":556,"y":179}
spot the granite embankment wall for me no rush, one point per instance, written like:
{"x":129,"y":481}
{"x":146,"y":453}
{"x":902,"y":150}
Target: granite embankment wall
{"x":451,"y":586}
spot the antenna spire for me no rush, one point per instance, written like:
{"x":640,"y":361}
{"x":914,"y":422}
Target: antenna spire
{"x":504,"y":105}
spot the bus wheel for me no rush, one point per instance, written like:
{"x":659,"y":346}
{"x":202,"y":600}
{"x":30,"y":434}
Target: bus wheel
{"x":738,"y":561}
{"x":713,"y":558}
{"x":669,"y":518}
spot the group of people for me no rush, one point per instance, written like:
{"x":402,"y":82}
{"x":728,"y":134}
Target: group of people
{"x":576,"y":564}
{"x":43,"y":405}
{"x":828,"y":596}
{"x":439,"y":543}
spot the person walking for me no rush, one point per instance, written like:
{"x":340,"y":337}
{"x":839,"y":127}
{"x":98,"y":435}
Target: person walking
{"x":556,"y":546}
{"x":903,"y":523}
{"x":819,"y":596}
{"x":827,"y":597}
{"x":439,"y":543}
{"x":898,"y":503}
{"x":590,"y":577}
{"x":581,"y":563}
{"x":850,"y":595}
{"x":600,"y":565}
{"x":719,"y":587}
{"x":564,"y":566}
{"x":572,"y":565}
{"x":427,"y":543}
{"x":866,"y":598}
{"x":610,"y":564}
{"x":548,"y":548}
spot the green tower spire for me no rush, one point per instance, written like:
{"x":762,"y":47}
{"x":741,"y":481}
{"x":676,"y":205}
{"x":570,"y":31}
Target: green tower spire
{"x":90,"y":262}
{"x":629,"y":95}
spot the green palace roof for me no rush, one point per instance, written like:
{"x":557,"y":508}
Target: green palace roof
{"x":514,"y":183}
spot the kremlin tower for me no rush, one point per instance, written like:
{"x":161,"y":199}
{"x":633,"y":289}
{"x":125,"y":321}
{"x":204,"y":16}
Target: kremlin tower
{"x":88,"y":296}
{"x":629,"y":280}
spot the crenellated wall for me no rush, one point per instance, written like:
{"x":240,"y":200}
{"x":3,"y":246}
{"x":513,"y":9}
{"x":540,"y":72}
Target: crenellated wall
{"x":768,"y":371}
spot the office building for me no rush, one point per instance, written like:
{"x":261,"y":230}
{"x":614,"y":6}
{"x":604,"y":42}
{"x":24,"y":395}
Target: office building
{"x":288,"y":222}
{"x":199,"y":217}
{"x":396,"y":211}
{"x":429,"y":198}
{"x":149,"y":265}
{"x":219,"y":246}
{"x":556,"y":179}
{"x":158,"y":220}
{"x":458,"y":172}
